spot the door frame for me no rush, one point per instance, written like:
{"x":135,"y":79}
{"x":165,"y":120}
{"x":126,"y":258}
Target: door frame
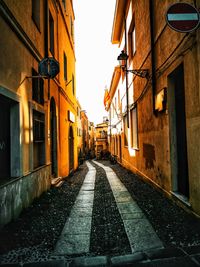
{"x":71,"y":149}
{"x":173,"y":133}
{"x":53,"y":135}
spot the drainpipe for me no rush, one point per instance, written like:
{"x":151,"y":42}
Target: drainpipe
{"x":110,"y":129}
{"x":46,"y":33}
{"x":126,"y":73}
{"x":46,"y":37}
{"x":153,"y":67}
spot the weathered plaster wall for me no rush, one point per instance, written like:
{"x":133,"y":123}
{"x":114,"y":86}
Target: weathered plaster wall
{"x":192,"y":82}
{"x":20,"y":193}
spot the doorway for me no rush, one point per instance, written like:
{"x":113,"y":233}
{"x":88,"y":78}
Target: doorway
{"x":71,"y":150}
{"x":53,"y":129}
{"x":120,"y":149}
{"x":5,"y":155}
{"x":177,"y":123}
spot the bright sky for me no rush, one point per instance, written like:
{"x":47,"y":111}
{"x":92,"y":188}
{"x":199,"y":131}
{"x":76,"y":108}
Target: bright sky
{"x":96,"y":56}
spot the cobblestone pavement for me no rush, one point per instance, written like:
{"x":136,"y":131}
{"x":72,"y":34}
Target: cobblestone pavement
{"x":33,"y":236}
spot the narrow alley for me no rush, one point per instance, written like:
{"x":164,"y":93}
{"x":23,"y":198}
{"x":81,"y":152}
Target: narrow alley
{"x":103,"y":215}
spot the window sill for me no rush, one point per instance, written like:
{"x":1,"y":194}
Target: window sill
{"x":135,"y":148}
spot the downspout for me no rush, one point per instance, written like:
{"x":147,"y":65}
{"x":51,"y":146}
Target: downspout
{"x":153,"y":67}
{"x":126,"y":73}
{"x":46,"y":32}
{"x":110,"y":130}
{"x":46,"y":37}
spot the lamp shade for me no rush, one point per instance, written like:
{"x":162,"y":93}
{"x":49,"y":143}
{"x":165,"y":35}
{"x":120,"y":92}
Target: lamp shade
{"x":122,"y":58}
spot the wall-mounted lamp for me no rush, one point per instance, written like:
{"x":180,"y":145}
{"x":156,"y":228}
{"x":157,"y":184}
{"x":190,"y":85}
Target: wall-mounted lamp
{"x":122,"y":58}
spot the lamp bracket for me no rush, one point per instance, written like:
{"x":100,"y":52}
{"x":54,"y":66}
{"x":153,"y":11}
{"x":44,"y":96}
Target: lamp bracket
{"x":143,"y":73}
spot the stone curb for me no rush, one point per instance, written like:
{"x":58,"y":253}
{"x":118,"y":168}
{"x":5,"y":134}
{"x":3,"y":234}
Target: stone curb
{"x":173,"y":257}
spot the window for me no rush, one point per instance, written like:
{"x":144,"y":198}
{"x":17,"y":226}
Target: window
{"x":65,"y":67}
{"x":36,"y":12}
{"x":51,"y":33}
{"x":133,"y":44}
{"x":37,"y":88}
{"x":116,"y":142}
{"x":125,"y":131}
{"x":73,"y":87}
{"x":38,"y":139}
{"x":132,"y":39}
{"x":134,"y":128}
{"x":72,"y":28}
{"x":103,"y":134}
{"x":119,"y":104}
{"x":64,"y":4}
{"x":38,"y":126}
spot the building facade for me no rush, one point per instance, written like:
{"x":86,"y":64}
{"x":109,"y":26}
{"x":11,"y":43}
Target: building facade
{"x":101,"y":140}
{"x":91,"y":131}
{"x":38,"y":139}
{"x":79,"y":134}
{"x":85,"y":134}
{"x":154,"y":115}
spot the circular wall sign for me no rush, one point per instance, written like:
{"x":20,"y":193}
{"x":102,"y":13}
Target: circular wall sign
{"x":183,"y":17}
{"x":49,"y":67}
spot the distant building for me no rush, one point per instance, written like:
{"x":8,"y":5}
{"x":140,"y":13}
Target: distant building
{"x":155,"y":120}
{"x":101,"y":140}
{"x":85,"y":134}
{"x":91,"y":140}
{"x":79,"y":133}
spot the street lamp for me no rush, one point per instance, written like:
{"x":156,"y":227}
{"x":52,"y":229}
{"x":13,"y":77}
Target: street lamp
{"x":122,"y":58}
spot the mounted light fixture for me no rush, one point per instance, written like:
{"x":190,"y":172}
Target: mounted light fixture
{"x":122,"y":58}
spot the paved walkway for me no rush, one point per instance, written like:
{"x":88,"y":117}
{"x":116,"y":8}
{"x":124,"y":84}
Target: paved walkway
{"x":75,"y":237}
{"x":146,"y":248}
{"x":140,"y":233}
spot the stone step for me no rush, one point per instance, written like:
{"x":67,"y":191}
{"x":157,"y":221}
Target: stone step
{"x":57,"y":182}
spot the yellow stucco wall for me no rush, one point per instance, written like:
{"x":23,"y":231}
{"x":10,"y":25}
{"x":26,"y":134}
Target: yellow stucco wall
{"x":22,"y":47}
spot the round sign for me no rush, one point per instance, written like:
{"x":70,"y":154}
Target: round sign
{"x":49,"y":67}
{"x":183,"y":17}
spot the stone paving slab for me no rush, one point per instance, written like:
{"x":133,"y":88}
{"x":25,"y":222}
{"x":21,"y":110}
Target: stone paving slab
{"x":135,"y":215}
{"x":123,"y":198}
{"x":73,"y":244}
{"x":86,"y":205}
{"x":162,"y":253}
{"x":81,"y":212}
{"x":85,"y":194}
{"x":127,"y":259}
{"x":141,"y":234}
{"x":77,"y":225}
{"x":128,"y":208}
{"x":86,"y":201}
{"x":53,"y":263}
{"x":99,"y":261}
{"x":88,"y":187}
{"x":173,"y":262}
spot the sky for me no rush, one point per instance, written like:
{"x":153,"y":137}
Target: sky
{"x":96,"y":56}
